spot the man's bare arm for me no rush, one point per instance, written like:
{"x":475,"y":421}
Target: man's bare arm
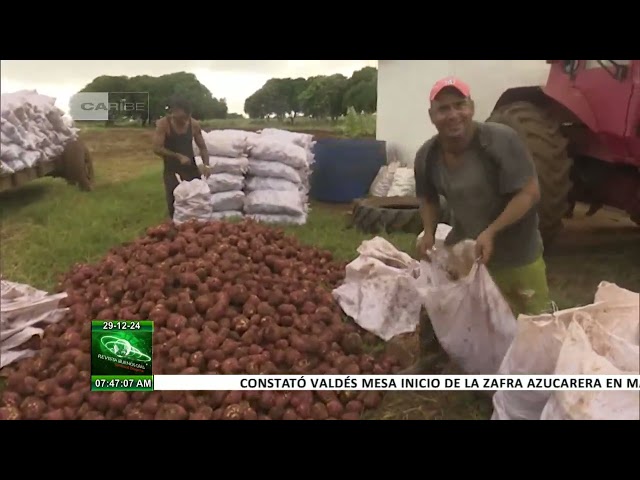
{"x":425,"y":193}
{"x":429,"y":215}
{"x":199,"y":139}
{"x":158,"y":141}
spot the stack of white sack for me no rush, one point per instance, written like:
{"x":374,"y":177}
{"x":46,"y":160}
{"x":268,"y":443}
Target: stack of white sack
{"x":217,"y":197}
{"x":33,"y":130}
{"x":25,"y":312}
{"x":394,"y":180}
{"x":226,"y":143}
{"x":229,"y":164}
{"x":278,"y":181}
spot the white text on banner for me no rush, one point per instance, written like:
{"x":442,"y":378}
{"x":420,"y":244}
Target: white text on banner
{"x":397,"y":382}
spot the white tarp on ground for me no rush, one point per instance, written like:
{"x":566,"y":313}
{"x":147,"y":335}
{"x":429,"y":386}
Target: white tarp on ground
{"x":24,"y":313}
{"x":384,"y":290}
{"x":373,"y":282}
{"x":600,"y":338}
{"x":33,"y":130}
{"x":379,"y":290}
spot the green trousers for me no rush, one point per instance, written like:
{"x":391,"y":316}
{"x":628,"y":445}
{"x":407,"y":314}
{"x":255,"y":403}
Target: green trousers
{"x":525,"y":288}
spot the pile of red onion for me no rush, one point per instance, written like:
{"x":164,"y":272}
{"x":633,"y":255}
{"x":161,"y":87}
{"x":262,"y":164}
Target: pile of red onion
{"x":226,"y":298}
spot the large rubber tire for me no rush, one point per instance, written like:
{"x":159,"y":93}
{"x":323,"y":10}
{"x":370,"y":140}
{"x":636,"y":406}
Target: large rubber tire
{"x":78,"y":165}
{"x":387,"y":214}
{"x":548,"y":147}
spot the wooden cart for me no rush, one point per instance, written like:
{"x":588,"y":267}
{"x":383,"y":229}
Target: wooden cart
{"x":74,"y":165}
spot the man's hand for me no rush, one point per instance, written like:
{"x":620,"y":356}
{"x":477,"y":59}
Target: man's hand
{"x":204,"y":170}
{"x":424,"y":245}
{"x":183,"y":159}
{"x":484,"y":245}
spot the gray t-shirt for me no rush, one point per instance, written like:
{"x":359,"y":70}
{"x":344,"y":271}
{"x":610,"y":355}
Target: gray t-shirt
{"x":496,"y":166}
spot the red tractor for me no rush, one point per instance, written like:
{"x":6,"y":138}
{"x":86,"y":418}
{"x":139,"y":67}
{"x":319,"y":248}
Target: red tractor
{"x":583,"y":130}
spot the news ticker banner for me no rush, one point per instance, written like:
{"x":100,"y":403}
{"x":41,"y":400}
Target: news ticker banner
{"x":397,"y":382}
{"x":121,"y":360}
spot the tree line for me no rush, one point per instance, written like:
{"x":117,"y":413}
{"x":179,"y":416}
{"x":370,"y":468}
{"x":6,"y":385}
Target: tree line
{"x":321,"y":97}
{"x":150,"y":96}
{"x":316,"y":97}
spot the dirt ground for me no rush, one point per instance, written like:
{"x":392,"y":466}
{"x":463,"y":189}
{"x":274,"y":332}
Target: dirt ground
{"x":608,"y":227}
{"x":120,"y":153}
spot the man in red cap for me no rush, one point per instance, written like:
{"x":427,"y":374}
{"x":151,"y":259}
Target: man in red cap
{"x":489,"y":181}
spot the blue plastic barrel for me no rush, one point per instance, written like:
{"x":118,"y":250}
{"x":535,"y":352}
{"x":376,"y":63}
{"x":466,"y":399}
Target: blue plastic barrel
{"x":344,"y":169}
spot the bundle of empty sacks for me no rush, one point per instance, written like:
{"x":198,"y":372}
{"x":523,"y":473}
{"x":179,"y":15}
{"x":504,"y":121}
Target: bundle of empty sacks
{"x":262,"y":175}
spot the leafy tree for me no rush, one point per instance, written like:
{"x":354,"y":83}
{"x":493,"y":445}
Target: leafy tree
{"x":313,"y":101}
{"x":278,"y":97}
{"x":256,"y":105}
{"x":159,"y":90}
{"x":296,"y":87}
{"x":318,"y":97}
{"x":362,"y":91}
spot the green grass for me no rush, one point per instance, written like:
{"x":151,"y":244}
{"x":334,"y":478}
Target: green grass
{"x":298,"y":123}
{"x":48,"y":226}
{"x":326,"y":228}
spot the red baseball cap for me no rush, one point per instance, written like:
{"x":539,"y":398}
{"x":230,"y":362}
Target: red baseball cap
{"x":454,"y":82}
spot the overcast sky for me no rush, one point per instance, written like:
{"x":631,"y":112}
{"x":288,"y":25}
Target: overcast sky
{"x":234,"y":80}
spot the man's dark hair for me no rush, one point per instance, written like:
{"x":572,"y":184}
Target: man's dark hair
{"x":181,"y":103}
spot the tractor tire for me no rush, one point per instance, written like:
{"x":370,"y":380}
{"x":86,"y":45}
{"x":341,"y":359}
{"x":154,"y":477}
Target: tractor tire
{"x":548,"y":147}
{"x":78,"y":165}
{"x":387,"y":214}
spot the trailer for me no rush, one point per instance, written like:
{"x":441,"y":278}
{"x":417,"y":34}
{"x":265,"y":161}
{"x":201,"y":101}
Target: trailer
{"x":74,"y":165}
